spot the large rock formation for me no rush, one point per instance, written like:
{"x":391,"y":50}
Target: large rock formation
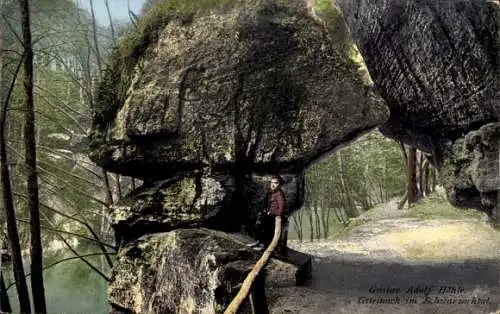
{"x":251,"y":84}
{"x":187,"y":271}
{"x":204,"y":101}
{"x":471,"y":168}
{"x":207,"y":99}
{"x":436,"y":64}
{"x":183,"y":271}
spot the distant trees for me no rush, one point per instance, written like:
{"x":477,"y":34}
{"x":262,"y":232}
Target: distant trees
{"x":367,"y":172}
{"x":420,"y":175}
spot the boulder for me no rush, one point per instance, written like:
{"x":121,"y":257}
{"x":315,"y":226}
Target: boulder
{"x":187,"y":200}
{"x":470,"y":172}
{"x":436,"y":65}
{"x":252,"y":85}
{"x":186,"y":271}
{"x":199,"y":199}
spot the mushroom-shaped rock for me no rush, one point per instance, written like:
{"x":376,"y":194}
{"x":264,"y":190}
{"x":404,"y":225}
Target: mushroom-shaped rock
{"x":262,"y":84}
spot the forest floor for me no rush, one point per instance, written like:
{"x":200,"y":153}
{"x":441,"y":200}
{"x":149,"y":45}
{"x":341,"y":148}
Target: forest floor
{"x":431,"y":258}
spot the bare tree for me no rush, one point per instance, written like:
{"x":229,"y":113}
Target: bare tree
{"x":297,"y":223}
{"x":4,"y":298}
{"x":311,"y":222}
{"x":107,"y":186}
{"x":111,"y":25}
{"x":36,"y":254}
{"x":8,"y":201}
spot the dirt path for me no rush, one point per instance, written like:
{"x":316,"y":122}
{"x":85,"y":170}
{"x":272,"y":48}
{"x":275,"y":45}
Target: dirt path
{"x":420,"y":266}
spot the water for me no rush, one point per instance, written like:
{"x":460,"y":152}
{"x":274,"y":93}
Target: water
{"x":71,"y":287}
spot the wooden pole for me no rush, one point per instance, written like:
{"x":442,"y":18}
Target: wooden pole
{"x":247,"y":283}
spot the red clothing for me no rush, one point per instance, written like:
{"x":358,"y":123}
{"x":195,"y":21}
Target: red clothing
{"x":277,"y":207}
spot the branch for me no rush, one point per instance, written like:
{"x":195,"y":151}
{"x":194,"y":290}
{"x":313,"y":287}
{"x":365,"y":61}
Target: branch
{"x":57,"y":98}
{"x":73,"y":234}
{"x":247,"y":283}
{"x":61,"y":261}
{"x":62,"y":155}
{"x":63,"y":181}
{"x":113,"y":37}
{"x":11,"y":28}
{"x":84,"y":223}
{"x":76,"y":253}
{"x":43,"y":115}
{"x":3,"y":118}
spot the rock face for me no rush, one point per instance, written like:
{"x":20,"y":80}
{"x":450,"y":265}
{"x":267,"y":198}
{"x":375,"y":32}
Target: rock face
{"x":436,"y":65}
{"x":188,"y":200}
{"x":183,"y":271}
{"x":257,"y":84}
{"x":187,"y":271}
{"x":204,"y":102}
{"x":199,"y":199}
{"x":471,"y":169}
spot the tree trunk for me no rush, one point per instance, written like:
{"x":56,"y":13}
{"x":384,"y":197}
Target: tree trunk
{"x":317,"y":223}
{"x":14,"y":245}
{"x":111,"y":25}
{"x":297,"y":224}
{"x":107,"y":186}
{"x":4,"y":298}
{"x":107,"y":189}
{"x":433,"y":175}
{"x":427,"y":171}
{"x":311,"y":223}
{"x":326,"y":222}
{"x":413,"y":192}
{"x":352,"y":211}
{"x":421,"y":174}
{"x":404,"y":154}
{"x":37,"y":286}
{"x":8,"y":202}
{"x":402,"y":202}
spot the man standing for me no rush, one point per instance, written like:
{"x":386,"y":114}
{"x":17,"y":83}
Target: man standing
{"x":277,"y":207}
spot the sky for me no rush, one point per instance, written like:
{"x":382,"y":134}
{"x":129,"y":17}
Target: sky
{"x":118,"y":8}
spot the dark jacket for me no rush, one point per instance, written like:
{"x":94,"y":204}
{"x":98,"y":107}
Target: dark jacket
{"x":277,"y":203}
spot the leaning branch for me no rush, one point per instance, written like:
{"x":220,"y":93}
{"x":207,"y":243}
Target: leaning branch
{"x":61,"y":261}
{"x":247,"y":283}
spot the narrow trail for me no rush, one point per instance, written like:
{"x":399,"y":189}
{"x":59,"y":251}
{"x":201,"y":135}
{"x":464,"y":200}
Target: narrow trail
{"x":394,"y":264}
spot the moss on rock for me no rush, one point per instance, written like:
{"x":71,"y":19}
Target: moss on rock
{"x":470,"y":169}
{"x":190,"y":271}
{"x":192,"y":201}
{"x":221,"y":82}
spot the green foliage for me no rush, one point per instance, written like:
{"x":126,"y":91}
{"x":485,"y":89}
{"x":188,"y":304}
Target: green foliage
{"x":64,"y":279}
{"x":435,"y":206}
{"x":367,"y":172}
